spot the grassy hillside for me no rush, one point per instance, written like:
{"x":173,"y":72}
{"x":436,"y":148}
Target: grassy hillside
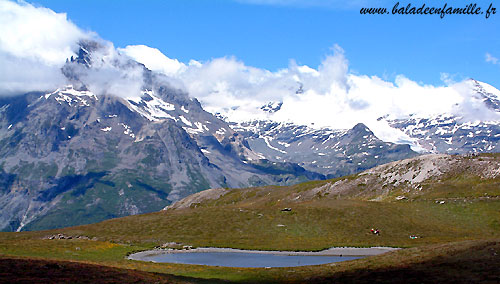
{"x":451,"y":203}
{"x":309,"y":226}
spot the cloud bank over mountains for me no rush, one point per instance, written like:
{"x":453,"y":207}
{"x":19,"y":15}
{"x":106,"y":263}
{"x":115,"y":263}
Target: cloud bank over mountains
{"x":35,"y":43}
{"x":329,"y":91}
{"x":327,"y":96}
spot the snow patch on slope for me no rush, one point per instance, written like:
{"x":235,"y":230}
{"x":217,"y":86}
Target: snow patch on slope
{"x":153,"y":109}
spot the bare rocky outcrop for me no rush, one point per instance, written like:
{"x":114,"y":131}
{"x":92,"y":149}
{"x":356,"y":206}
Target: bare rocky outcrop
{"x":408,"y":176}
{"x":67,"y":237}
{"x":192,"y":200}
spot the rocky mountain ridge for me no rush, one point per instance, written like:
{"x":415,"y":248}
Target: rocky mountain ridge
{"x":333,"y":153}
{"x":72,"y":156}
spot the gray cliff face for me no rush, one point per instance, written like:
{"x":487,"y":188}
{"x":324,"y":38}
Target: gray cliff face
{"x":70,"y":157}
{"x":72,"y":151}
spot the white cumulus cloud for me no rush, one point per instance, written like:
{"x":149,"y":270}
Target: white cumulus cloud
{"x":491,"y":59}
{"x":34,"y":43}
{"x":153,"y":59}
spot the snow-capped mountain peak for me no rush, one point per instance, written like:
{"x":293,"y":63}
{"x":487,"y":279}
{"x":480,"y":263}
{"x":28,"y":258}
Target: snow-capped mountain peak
{"x":489,"y":95}
{"x":473,"y":127}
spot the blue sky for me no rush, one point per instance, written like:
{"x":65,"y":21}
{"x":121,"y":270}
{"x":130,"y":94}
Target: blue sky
{"x":269,"y":34}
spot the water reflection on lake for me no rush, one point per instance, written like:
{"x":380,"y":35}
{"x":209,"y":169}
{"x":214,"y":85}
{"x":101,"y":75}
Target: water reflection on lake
{"x":241,"y":259}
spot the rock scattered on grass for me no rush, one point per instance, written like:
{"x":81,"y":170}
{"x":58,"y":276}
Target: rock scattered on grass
{"x":65,"y":237}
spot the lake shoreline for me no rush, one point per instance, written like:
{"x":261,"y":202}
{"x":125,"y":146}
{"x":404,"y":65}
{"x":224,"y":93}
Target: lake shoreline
{"x":334,"y":251}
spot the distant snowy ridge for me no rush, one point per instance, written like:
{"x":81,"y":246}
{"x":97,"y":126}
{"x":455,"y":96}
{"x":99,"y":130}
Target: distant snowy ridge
{"x":470,"y":126}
